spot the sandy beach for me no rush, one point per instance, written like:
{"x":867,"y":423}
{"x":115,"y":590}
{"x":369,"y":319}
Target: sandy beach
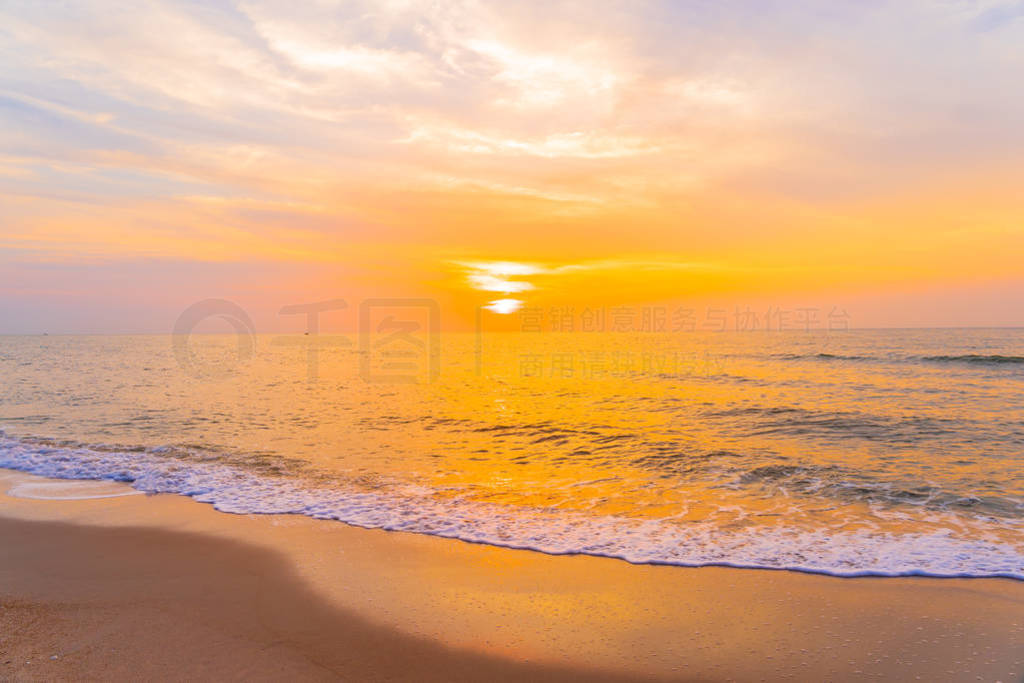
{"x":136,"y":586}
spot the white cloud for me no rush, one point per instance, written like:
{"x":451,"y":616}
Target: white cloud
{"x":504,"y":306}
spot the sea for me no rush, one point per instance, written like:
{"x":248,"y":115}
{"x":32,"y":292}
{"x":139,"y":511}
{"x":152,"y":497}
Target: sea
{"x":849,"y":453}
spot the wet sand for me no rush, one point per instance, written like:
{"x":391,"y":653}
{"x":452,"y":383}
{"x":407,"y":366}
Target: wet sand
{"x":163,"y":587}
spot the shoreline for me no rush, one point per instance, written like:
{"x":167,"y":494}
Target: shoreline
{"x":487,"y":523}
{"x":178,"y":590}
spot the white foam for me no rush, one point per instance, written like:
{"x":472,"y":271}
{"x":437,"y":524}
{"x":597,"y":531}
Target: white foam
{"x":233,"y":489}
{"x":71,"y":490}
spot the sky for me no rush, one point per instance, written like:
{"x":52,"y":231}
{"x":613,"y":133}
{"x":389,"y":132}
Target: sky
{"x":866,"y":156}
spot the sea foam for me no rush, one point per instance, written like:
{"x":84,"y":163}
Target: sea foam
{"x":234,"y":489}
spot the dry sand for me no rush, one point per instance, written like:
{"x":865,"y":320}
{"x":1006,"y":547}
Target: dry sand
{"x":163,"y":587}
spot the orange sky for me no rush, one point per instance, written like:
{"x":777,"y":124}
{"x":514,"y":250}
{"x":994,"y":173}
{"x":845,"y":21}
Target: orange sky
{"x":865,"y":155}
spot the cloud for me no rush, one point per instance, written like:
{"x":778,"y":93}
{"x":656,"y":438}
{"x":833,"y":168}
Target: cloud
{"x":496,"y":276}
{"x":476,"y":91}
{"x":677,"y":133}
{"x":504,"y":306}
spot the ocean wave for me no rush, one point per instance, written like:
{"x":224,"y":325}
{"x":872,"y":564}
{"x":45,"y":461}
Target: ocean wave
{"x":969,"y":358}
{"x":830,"y":483}
{"x":760,"y":421}
{"x":851,"y":485}
{"x":982,"y":359}
{"x":392,"y":505}
{"x":825,"y":356}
